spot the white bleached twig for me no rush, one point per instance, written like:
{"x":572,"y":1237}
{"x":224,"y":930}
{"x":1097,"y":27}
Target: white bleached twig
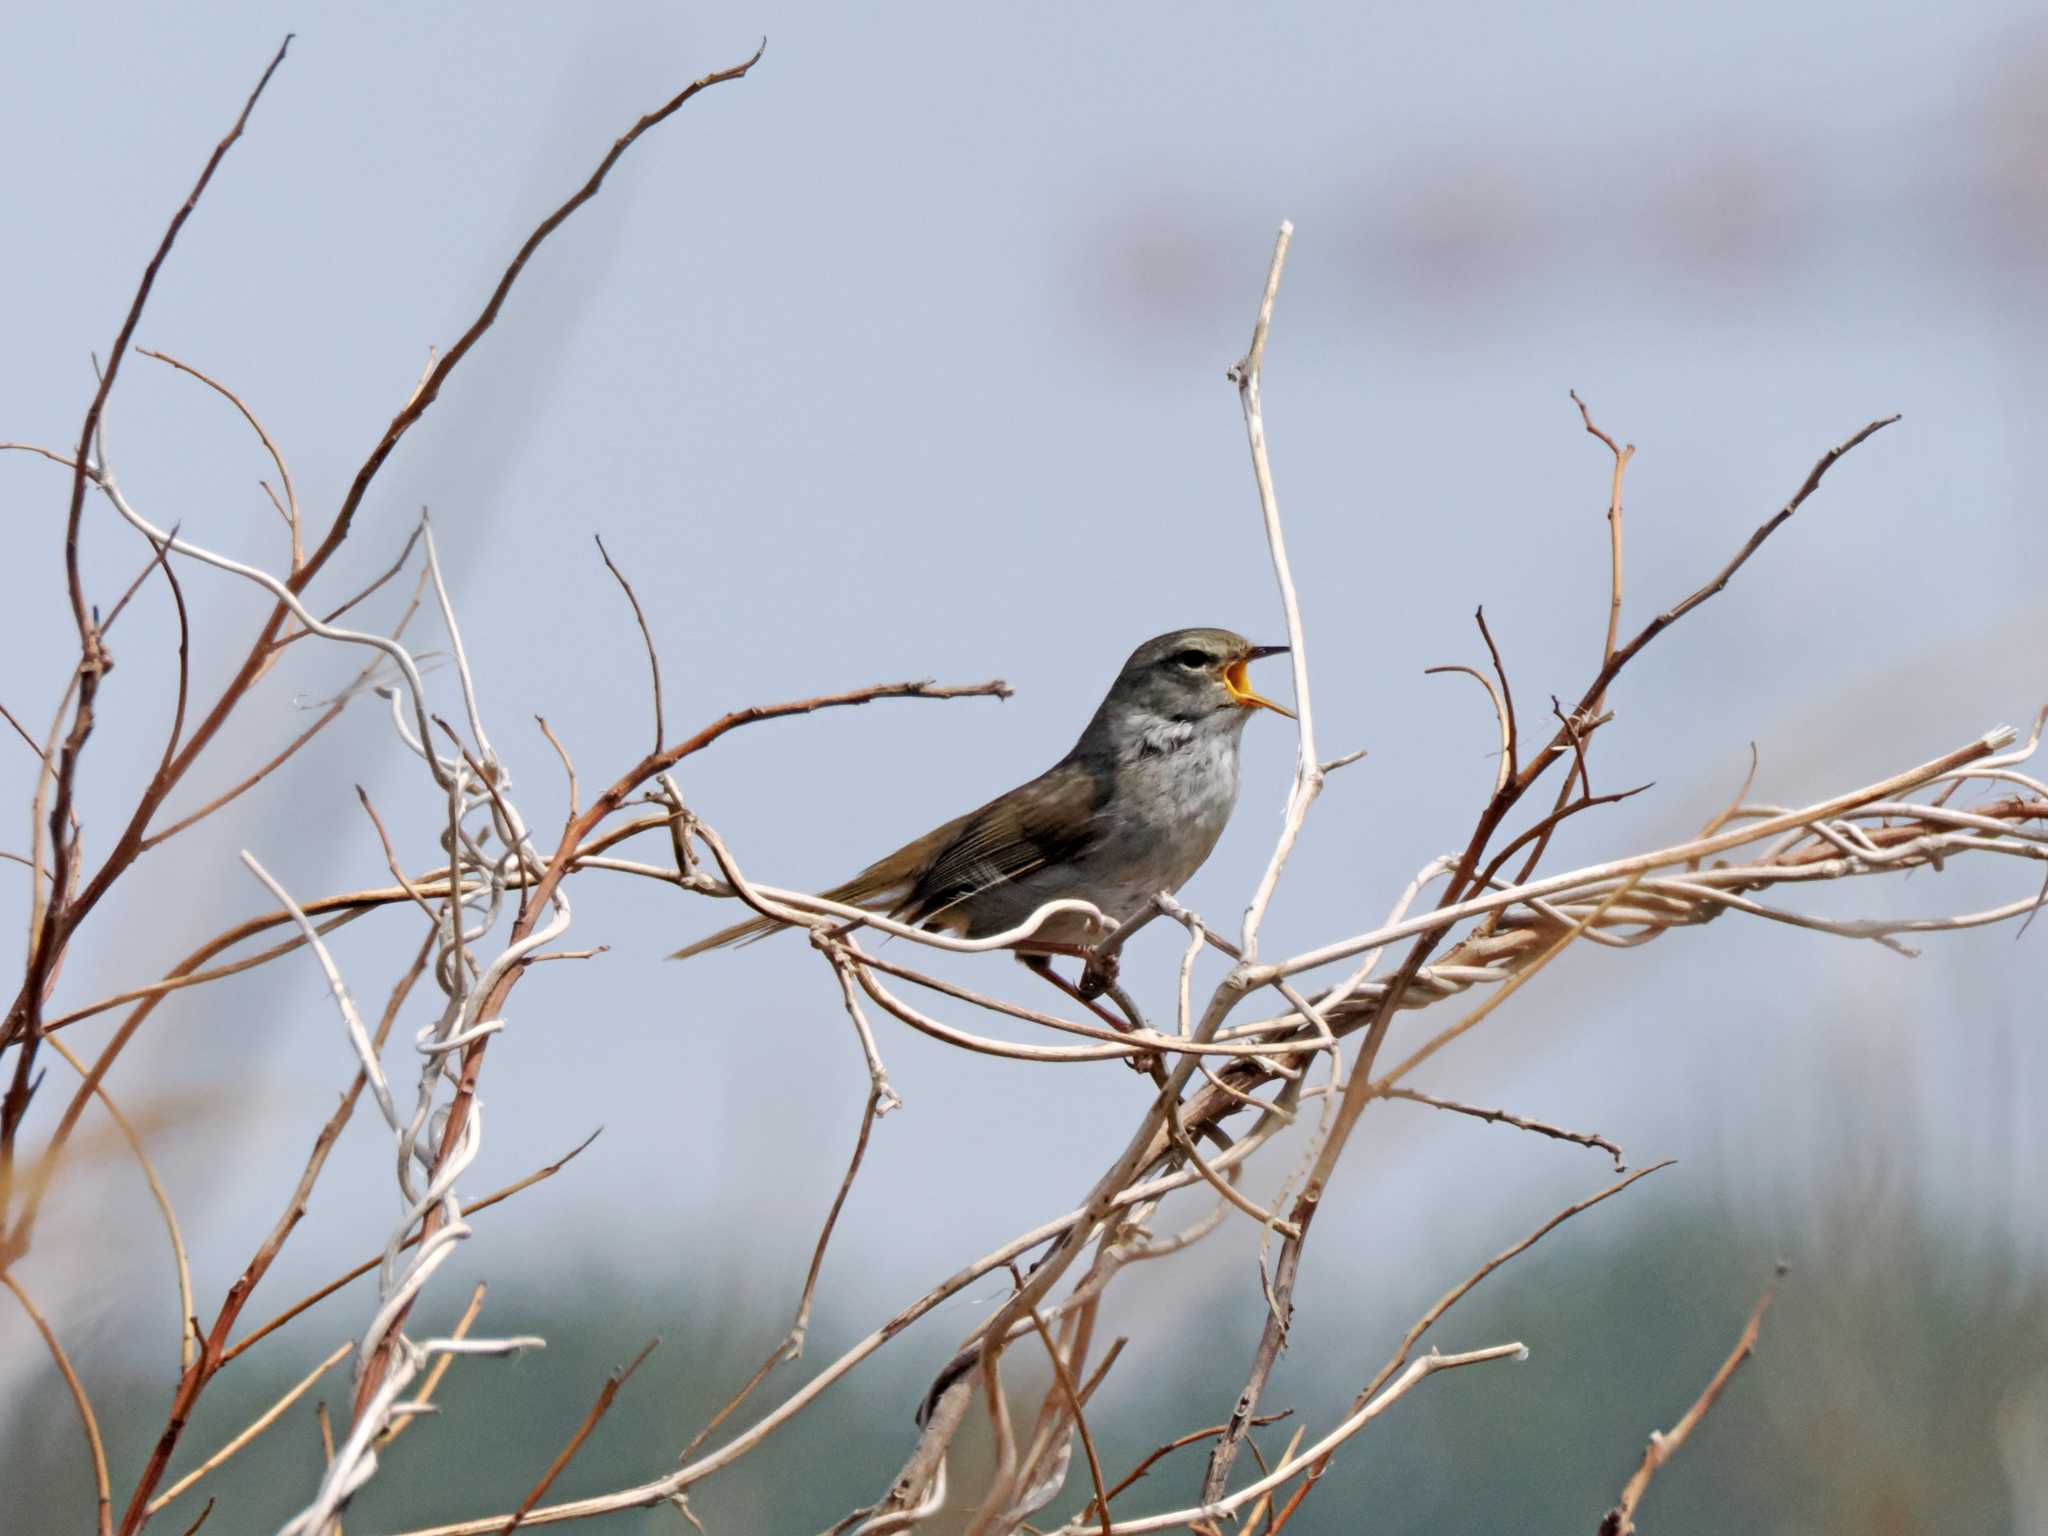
{"x":1395,"y":1390}
{"x":358,"y":1035}
{"x":1308,"y":770}
{"x":1699,"y":848}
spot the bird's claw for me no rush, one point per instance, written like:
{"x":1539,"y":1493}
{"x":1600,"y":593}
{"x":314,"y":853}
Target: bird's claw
{"x":1098,"y":975}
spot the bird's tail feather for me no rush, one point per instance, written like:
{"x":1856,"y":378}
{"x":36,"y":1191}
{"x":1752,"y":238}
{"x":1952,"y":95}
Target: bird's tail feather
{"x":863,"y":890}
{"x":738,"y":933}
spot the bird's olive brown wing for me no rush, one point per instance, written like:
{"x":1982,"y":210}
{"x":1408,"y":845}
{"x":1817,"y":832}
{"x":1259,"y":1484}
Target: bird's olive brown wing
{"x":1044,"y":822}
{"x":1049,"y":821}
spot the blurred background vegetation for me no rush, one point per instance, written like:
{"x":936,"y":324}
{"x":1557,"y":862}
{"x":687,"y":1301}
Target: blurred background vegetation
{"x":1627,"y":1310}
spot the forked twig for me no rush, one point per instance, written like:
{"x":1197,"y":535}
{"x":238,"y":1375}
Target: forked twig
{"x":607,"y":1394}
{"x":1621,"y":1520}
{"x":263,"y":1421}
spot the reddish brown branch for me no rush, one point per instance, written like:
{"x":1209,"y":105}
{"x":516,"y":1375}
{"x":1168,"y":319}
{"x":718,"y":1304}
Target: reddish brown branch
{"x":87,"y":640}
{"x":212,"y":1351}
{"x":598,"y":1409}
{"x":430,"y":387}
{"x":24,"y":1020}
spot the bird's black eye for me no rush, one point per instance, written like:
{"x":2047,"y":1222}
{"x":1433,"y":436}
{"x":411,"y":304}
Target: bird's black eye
{"x":1192,"y":659}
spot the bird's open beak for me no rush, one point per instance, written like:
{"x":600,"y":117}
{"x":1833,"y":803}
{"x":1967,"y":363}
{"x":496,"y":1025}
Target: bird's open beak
{"x":1241,"y":690}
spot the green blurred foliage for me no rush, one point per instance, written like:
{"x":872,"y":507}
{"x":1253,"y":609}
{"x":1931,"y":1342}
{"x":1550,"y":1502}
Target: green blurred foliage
{"x":1888,"y":1396}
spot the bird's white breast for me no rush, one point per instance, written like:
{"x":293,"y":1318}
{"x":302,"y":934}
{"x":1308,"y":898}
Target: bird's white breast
{"x":1178,"y":784}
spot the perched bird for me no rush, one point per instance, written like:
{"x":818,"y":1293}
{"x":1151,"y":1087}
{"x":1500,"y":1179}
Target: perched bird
{"x":1131,"y":811}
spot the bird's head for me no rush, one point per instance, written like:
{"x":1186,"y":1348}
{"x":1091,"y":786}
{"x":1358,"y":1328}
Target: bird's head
{"x":1193,"y":675}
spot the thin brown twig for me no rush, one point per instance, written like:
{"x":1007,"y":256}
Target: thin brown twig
{"x":405,"y":550}
{"x":1109,"y":1356}
{"x":24,"y":1018}
{"x":276,"y":505}
{"x":291,"y":496}
{"x":16,"y":1241}
{"x":860,"y":1150}
{"x":1721,"y":817}
{"x":1621,"y":457}
{"x":159,"y":554}
{"x":1072,"y":1393}
{"x":568,"y":763}
{"x":776,"y":1356}
{"x":39,"y":823}
{"x":1287,"y":1510}
{"x":262,"y":1422}
{"x":1457,"y":1293}
{"x":326,"y":717}
{"x":1503,"y":1117}
{"x":22,"y":731}
{"x":184,"y":656}
{"x":1260,"y":1510}
{"x":1621,"y":1520}
{"x":391,"y":863}
{"x":1442,"y":1305}
{"x":605,"y":1397}
{"x":1507,"y":694}
{"x":213,"y":1353}
{"x":1539,"y":832}
{"x":1193,"y":1437}
{"x":103,"y":1492}
{"x":1580,"y":724}
{"x":1505,"y":770}
{"x":314,"y":1298}
{"x":89,"y":431}
{"x":646,"y":635}
{"x":1578,"y":732}
{"x":181,"y":978}
{"x":429,"y":387}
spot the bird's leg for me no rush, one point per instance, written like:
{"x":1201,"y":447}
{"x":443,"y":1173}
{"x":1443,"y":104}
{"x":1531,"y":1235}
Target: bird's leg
{"x":1098,"y":973}
{"x":1039,"y":963}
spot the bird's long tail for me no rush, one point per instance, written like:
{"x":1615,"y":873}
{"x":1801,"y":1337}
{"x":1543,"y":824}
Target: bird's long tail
{"x":863,"y":890}
{"x":738,"y":933}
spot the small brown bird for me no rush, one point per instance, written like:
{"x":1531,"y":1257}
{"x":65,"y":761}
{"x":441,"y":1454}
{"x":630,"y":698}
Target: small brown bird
{"x":1131,"y":811}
